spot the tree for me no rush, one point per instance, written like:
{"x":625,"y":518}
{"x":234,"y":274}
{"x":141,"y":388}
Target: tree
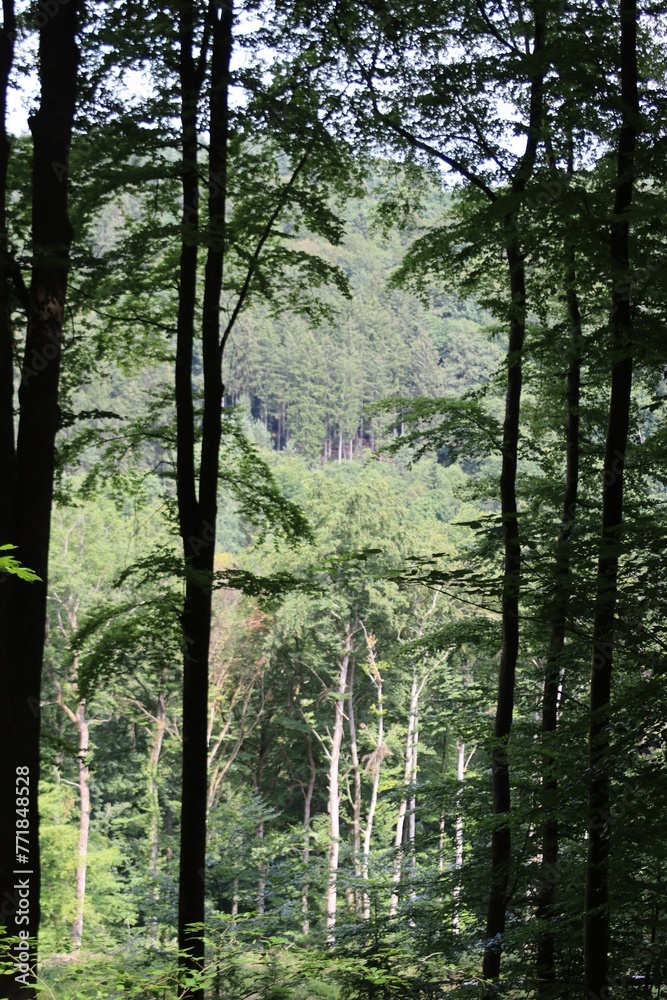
{"x":29,"y":464}
{"x":596,"y":920}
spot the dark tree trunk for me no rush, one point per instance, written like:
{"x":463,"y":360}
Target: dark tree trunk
{"x":501,"y":844}
{"x":28,"y":512}
{"x":7,"y":445}
{"x":596,"y":916}
{"x":193,"y":831}
{"x":546,"y":973}
{"x":198,"y":507}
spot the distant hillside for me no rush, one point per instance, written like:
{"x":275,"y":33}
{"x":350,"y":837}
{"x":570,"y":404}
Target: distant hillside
{"x":306,"y":387}
{"x":309,"y":387}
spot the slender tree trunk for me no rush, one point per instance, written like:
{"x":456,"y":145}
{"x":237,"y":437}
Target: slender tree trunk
{"x":7,"y":444}
{"x":412,"y":811}
{"x":257,"y":778}
{"x":407,"y":781}
{"x":334,"y":792}
{"x":458,"y":863}
{"x":375,"y":765}
{"x":84,"y":826}
{"x":501,"y":843}
{"x":198,"y":506}
{"x":356,"y":798}
{"x":307,"y":806}
{"x":193,"y":826}
{"x":596,"y":915}
{"x":443,"y":813}
{"x":30,"y":471}
{"x":154,"y":804}
{"x":546,"y":971}
{"x":261,"y":881}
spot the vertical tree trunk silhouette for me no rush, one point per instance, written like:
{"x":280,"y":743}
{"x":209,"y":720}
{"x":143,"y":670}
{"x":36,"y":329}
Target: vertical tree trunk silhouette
{"x":197,"y":491}
{"x":545,"y":959}
{"x":501,"y":840}
{"x":26,"y":512}
{"x":596,"y":915}
{"x":7,"y":444}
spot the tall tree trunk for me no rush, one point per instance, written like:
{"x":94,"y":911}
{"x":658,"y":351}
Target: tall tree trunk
{"x":412,"y":811}
{"x":545,"y":961}
{"x":458,"y":862}
{"x":154,"y":804}
{"x":307,"y":806}
{"x":596,"y":915}
{"x":198,"y":507}
{"x":375,"y":764}
{"x":443,"y":812}
{"x":501,"y":843}
{"x":334,"y":791}
{"x":23,"y":609}
{"x":7,"y":445}
{"x":356,"y":797}
{"x":261,"y":881}
{"x":257,"y":778}
{"x":407,"y":781}
{"x":84,"y":825}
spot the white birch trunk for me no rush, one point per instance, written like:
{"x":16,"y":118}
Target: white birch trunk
{"x":356,"y":798}
{"x":81,"y":724}
{"x":460,"y":772}
{"x":305,"y":921}
{"x":154,"y":828}
{"x":375,"y":764}
{"x":412,"y":811}
{"x":402,"y":809}
{"x":334,"y":794}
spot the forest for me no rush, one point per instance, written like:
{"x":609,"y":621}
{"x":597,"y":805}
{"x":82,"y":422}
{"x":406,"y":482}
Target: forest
{"x":333,"y":441}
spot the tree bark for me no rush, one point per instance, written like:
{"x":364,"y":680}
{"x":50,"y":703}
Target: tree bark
{"x":501,"y":843}
{"x":198,"y":506}
{"x":334,"y":791}
{"x":545,"y":959}
{"x":375,"y":764}
{"x":408,"y":778}
{"x":356,"y":797}
{"x":443,"y":814}
{"x":84,"y":825}
{"x":7,"y":444}
{"x":412,"y":810}
{"x":307,"y":806}
{"x":596,"y":906}
{"x":154,"y":801}
{"x":28,"y":508}
{"x":458,"y":862}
